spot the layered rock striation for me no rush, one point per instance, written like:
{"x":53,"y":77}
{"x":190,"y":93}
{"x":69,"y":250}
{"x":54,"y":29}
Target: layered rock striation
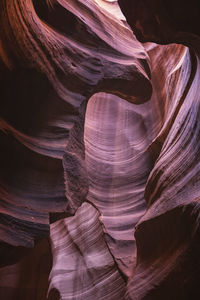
{"x":167,"y":236}
{"x":55,"y":56}
{"x":99,"y":180}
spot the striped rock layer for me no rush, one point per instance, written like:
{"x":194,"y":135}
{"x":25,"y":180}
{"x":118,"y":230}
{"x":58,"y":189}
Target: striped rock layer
{"x":99,"y":179}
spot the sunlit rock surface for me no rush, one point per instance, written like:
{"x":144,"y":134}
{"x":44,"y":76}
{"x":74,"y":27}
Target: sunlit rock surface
{"x":54,"y":56}
{"x":83,"y":266}
{"x":99,"y":178}
{"x":116,"y":141}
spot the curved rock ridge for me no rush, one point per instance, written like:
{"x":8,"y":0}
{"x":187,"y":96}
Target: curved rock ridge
{"x":167,"y":236}
{"x":54,"y":56}
{"x":118,"y":163}
{"x":69,"y":57}
{"x":159,"y":235}
{"x":118,"y":181}
{"x":111,"y":7}
{"x":122,"y":142}
{"x":83,"y":267}
{"x":172,"y":194}
{"x":171,"y":72}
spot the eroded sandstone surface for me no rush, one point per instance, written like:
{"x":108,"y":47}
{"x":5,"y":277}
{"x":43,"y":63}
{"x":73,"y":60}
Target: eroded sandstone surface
{"x":99,"y":133}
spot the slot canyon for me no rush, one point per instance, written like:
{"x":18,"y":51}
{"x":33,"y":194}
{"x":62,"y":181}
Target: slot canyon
{"x":99,"y":150}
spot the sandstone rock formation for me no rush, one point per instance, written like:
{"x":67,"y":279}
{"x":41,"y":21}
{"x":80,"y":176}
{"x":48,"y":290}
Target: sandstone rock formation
{"x":54,"y":56}
{"x":53,"y":59}
{"x":99,"y":133}
{"x":167,"y":235}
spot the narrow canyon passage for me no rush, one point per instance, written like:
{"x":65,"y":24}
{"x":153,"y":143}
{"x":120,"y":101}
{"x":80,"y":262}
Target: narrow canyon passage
{"x":99,"y":150}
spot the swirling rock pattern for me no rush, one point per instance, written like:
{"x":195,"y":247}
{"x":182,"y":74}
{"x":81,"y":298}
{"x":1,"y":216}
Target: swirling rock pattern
{"x":118,"y":180}
{"x":167,"y":235}
{"x":118,"y":163}
{"x":54,"y":56}
{"x":82,"y":265}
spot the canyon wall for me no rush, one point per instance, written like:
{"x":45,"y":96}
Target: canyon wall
{"x":99,"y":180}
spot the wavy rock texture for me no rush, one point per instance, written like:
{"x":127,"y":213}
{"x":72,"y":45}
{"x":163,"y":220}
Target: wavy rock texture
{"x":83,"y":267}
{"x":116,"y":141}
{"x":98,"y":168}
{"x":167,"y":236}
{"x":163,"y":235}
{"x":54,"y":56}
